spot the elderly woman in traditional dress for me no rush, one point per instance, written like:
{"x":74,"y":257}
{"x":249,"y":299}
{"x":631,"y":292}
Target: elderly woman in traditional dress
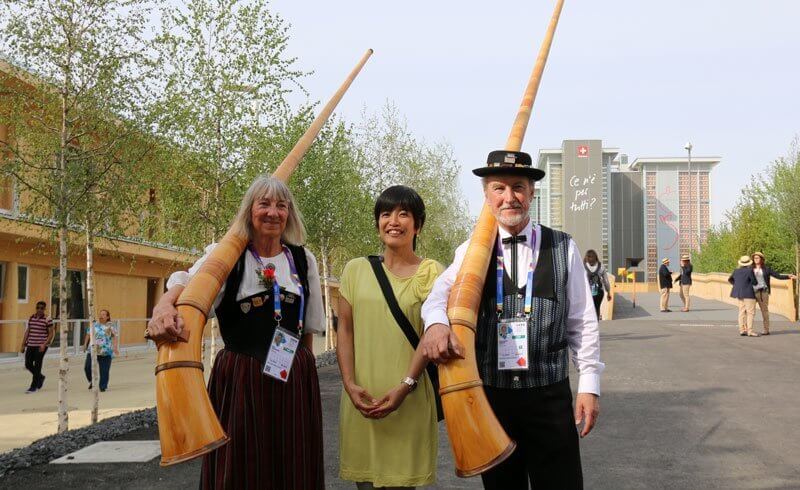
{"x":274,"y":421}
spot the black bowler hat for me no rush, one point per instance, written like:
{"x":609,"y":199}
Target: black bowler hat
{"x":504,"y":162}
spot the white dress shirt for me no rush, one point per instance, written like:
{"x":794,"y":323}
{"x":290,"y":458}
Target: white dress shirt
{"x":583,"y":334}
{"x":251,"y":284}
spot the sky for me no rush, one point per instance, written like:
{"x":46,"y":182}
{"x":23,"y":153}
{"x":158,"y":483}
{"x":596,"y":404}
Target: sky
{"x":643,"y":76}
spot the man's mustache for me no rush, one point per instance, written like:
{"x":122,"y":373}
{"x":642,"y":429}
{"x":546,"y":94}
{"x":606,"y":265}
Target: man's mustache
{"x":512,"y":206}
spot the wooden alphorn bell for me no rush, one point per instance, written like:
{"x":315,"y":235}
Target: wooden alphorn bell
{"x":187,"y":424}
{"x":478,"y":440}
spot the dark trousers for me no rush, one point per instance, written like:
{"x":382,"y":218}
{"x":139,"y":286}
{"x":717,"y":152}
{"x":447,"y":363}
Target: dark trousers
{"x":105,"y":368}
{"x":598,"y":300}
{"x":542,"y":423}
{"x":33,"y":363}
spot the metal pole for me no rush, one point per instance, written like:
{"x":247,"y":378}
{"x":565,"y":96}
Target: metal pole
{"x":699,"y":208}
{"x":688,"y":148}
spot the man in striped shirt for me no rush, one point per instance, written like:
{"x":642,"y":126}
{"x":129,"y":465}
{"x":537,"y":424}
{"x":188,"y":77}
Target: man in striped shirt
{"x":38,"y":336}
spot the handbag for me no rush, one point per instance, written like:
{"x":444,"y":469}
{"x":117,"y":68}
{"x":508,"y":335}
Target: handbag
{"x":406,"y":327}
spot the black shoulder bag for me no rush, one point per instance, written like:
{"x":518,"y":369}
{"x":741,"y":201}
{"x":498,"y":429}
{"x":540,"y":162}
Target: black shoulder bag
{"x":406,"y":327}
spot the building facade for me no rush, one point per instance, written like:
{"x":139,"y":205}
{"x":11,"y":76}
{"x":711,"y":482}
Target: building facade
{"x":129,"y":271}
{"x":649,"y":209}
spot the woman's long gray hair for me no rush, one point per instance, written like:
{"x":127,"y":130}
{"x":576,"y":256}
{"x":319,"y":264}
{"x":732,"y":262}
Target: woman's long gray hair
{"x":272,"y":188}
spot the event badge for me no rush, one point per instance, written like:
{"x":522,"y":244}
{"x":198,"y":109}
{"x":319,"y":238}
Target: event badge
{"x":512,"y":345}
{"x":280,"y":356}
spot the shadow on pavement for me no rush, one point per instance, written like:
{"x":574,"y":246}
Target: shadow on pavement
{"x":623,"y":308}
{"x":629,"y":336}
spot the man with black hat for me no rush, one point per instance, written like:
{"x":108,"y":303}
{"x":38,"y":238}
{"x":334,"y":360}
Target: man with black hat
{"x":544,"y":299}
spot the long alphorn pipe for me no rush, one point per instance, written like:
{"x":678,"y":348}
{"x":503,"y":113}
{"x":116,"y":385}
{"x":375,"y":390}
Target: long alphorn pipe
{"x":478,"y":440}
{"x":187,"y":424}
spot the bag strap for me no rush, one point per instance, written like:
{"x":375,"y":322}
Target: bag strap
{"x":391,"y":300}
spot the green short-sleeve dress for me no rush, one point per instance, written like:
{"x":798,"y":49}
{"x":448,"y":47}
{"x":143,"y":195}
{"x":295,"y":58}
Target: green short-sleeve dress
{"x":400,"y":449}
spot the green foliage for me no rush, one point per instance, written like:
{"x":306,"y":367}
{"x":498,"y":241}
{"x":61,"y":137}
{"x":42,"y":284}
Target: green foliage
{"x":765,"y":219}
{"x":221,"y":86}
{"x":390,"y":154}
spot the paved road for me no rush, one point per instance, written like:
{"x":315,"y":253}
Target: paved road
{"x":687,"y":403}
{"x":25,"y":418}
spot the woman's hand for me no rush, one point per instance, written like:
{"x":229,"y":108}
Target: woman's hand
{"x":166,"y":324}
{"x":362,"y":400}
{"x":390,"y":402}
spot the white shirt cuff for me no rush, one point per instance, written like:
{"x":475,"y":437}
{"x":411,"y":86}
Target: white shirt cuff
{"x":178,"y":278}
{"x":436,"y":317}
{"x":589,"y":383}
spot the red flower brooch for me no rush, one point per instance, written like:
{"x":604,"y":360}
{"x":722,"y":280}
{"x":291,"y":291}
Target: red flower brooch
{"x":267,"y":275}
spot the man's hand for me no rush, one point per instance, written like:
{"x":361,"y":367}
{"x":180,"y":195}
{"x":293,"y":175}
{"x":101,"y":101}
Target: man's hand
{"x":608,"y":296}
{"x":587,"y":409}
{"x":440,"y":345}
{"x":42,"y":348}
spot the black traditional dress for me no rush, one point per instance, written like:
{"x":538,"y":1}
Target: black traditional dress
{"x":275,"y":428}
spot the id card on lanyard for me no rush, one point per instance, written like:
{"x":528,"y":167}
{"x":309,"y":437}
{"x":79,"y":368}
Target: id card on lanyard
{"x":512,"y":333}
{"x":284,"y":344}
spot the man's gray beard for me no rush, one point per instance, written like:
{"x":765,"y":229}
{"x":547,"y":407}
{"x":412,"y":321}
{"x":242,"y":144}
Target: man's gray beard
{"x":511,"y":221}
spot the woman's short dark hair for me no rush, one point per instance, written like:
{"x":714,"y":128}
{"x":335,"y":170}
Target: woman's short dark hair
{"x":405,"y":198}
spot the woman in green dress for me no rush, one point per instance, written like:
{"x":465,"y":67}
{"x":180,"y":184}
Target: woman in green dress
{"x":388,"y":433}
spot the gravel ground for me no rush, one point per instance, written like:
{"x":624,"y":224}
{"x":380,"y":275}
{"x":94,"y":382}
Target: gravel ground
{"x":49,"y":448}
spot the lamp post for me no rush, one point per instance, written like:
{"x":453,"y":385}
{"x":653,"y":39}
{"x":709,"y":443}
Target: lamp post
{"x":688,"y":148}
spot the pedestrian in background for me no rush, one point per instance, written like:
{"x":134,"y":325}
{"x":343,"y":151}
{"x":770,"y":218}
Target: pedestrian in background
{"x":665,"y":283}
{"x":39,"y":334}
{"x":762,"y":289}
{"x":685,"y":280}
{"x":744,"y":282}
{"x":598,"y":279}
{"x":106,"y":345}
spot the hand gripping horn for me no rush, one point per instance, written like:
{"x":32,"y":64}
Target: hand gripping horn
{"x":187,"y":424}
{"x":478,"y":440}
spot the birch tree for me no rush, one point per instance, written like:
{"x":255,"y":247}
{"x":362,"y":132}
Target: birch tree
{"x":224,"y":74}
{"x":390,"y":154}
{"x":80,"y":63}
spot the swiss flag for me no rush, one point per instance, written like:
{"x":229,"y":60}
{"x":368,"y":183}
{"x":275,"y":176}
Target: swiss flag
{"x":583,"y":151}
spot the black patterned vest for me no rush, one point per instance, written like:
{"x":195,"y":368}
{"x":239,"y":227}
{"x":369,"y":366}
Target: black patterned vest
{"x":547,"y":326}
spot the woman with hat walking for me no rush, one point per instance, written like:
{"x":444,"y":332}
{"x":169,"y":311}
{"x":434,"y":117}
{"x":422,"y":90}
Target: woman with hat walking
{"x":744,"y":281}
{"x":762,"y":273}
{"x":685,"y":280}
{"x":665,"y":283}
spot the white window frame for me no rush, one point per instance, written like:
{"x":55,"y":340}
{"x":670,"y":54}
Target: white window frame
{"x":27,"y":283}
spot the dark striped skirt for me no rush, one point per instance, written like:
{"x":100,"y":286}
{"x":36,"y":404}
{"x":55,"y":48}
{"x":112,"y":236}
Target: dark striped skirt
{"x":275,"y":428}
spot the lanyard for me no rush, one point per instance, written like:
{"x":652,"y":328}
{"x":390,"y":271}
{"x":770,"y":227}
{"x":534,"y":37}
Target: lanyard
{"x":501,"y":269}
{"x":276,"y":289}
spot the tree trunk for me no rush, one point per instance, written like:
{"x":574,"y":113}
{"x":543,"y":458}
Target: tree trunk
{"x":329,"y":333}
{"x":213,"y":353}
{"x":63,"y":316}
{"x":92,"y":316}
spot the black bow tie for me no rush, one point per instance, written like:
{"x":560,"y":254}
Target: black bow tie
{"x":514,"y":239}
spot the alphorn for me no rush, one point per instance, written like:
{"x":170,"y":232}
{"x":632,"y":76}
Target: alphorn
{"x":478,"y":440}
{"x":187,"y":424}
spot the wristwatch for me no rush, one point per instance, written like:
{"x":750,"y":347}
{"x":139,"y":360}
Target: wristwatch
{"x":410,"y":382}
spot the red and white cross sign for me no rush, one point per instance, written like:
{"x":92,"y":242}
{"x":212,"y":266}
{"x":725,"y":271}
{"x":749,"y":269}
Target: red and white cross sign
{"x":583,"y":151}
